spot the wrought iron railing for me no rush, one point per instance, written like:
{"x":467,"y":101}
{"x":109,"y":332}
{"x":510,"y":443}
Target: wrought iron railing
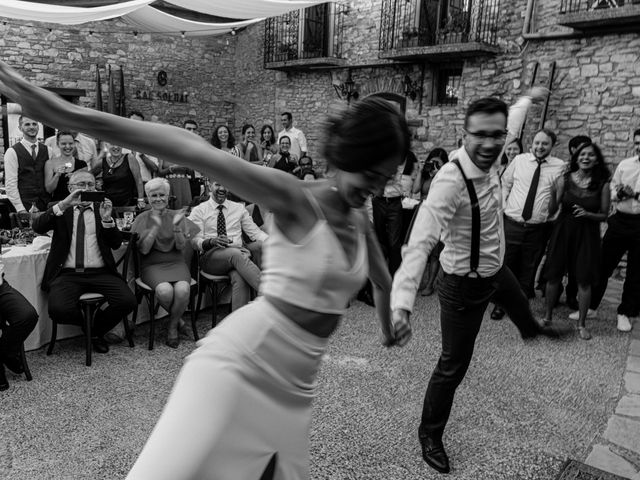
{"x":418,"y":23}
{"x":575,"y":6}
{"x":313,"y":32}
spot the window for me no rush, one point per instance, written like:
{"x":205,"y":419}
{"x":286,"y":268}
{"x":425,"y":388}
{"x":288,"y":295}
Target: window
{"x":447,"y":85}
{"x":310,"y":33}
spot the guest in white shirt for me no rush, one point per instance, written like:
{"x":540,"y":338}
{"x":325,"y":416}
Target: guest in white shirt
{"x":472,"y":264}
{"x":222,"y":223}
{"x":526,"y":189}
{"x":24,"y":169}
{"x":623,"y":236}
{"x":298,"y":140}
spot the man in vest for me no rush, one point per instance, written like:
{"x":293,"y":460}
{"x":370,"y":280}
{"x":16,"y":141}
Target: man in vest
{"x":24,"y":169}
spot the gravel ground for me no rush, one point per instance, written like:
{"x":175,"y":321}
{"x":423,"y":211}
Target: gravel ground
{"x":521,"y":411}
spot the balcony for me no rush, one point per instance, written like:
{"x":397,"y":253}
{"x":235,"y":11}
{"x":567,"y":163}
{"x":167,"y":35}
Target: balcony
{"x":305,"y":39}
{"x":438,"y":30}
{"x":600,"y":15}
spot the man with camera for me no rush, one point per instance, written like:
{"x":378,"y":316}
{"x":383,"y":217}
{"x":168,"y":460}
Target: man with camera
{"x":623,"y":236}
{"x":80,"y":260}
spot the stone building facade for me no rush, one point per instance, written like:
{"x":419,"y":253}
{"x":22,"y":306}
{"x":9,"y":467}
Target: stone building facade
{"x":595,"y":91}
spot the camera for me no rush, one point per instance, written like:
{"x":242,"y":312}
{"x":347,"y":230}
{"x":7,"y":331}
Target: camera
{"x":92,"y":196}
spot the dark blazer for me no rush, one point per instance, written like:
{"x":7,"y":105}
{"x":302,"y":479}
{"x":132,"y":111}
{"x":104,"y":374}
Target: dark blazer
{"x":62,"y":226}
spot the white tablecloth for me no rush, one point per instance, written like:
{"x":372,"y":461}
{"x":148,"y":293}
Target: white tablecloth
{"x":23,"y":269}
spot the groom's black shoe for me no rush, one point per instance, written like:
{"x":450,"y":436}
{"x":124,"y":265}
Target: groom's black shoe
{"x":433,"y":453}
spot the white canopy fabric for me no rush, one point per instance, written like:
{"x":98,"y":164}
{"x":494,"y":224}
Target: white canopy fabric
{"x":144,"y":18}
{"x":244,"y":8}
{"x":149,"y":19}
{"x":66,"y":15}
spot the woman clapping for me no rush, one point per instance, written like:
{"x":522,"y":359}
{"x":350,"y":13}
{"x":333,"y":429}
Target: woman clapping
{"x":163,"y":236}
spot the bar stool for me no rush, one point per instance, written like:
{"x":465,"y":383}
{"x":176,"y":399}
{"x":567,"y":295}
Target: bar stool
{"x":89,"y":304}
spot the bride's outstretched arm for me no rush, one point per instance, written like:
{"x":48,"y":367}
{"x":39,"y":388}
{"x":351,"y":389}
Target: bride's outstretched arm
{"x":273,"y":188}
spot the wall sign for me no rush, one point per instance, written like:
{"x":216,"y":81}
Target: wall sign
{"x":162,"y":78}
{"x":174,"y":97}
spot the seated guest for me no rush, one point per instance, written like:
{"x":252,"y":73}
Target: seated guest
{"x":24,"y":169}
{"x":222,"y":223}
{"x":58,"y":169}
{"x":121,"y":178}
{"x":284,"y":160}
{"x":584,"y":196}
{"x":305,"y":166}
{"x":164,"y":235}
{"x":249,"y":149}
{"x":80,"y":260}
{"x":17,"y":319}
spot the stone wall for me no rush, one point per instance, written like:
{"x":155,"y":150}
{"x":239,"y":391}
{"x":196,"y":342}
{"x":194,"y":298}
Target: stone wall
{"x":596,"y":90}
{"x":204,"y":68}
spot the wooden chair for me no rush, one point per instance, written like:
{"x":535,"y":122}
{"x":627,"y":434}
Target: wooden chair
{"x":214,"y":284}
{"x":142,"y":290}
{"x":89,"y":304}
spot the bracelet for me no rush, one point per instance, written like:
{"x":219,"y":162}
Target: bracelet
{"x":140,"y":199}
{"x":177,"y":231}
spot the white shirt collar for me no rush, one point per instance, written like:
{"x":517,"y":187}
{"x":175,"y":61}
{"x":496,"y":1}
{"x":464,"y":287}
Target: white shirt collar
{"x":28,"y":144}
{"x":215,"y":204}
{"x":470,"y":168}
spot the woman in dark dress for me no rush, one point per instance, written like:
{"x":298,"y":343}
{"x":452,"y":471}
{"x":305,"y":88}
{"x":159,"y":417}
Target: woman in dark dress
{"x":121,"y":178}
{"x":584,"y":197}
{"x":58,"y":169}
{"x":164,"y":236}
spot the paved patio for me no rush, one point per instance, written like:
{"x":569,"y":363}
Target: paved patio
{"x":521,"y":411}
